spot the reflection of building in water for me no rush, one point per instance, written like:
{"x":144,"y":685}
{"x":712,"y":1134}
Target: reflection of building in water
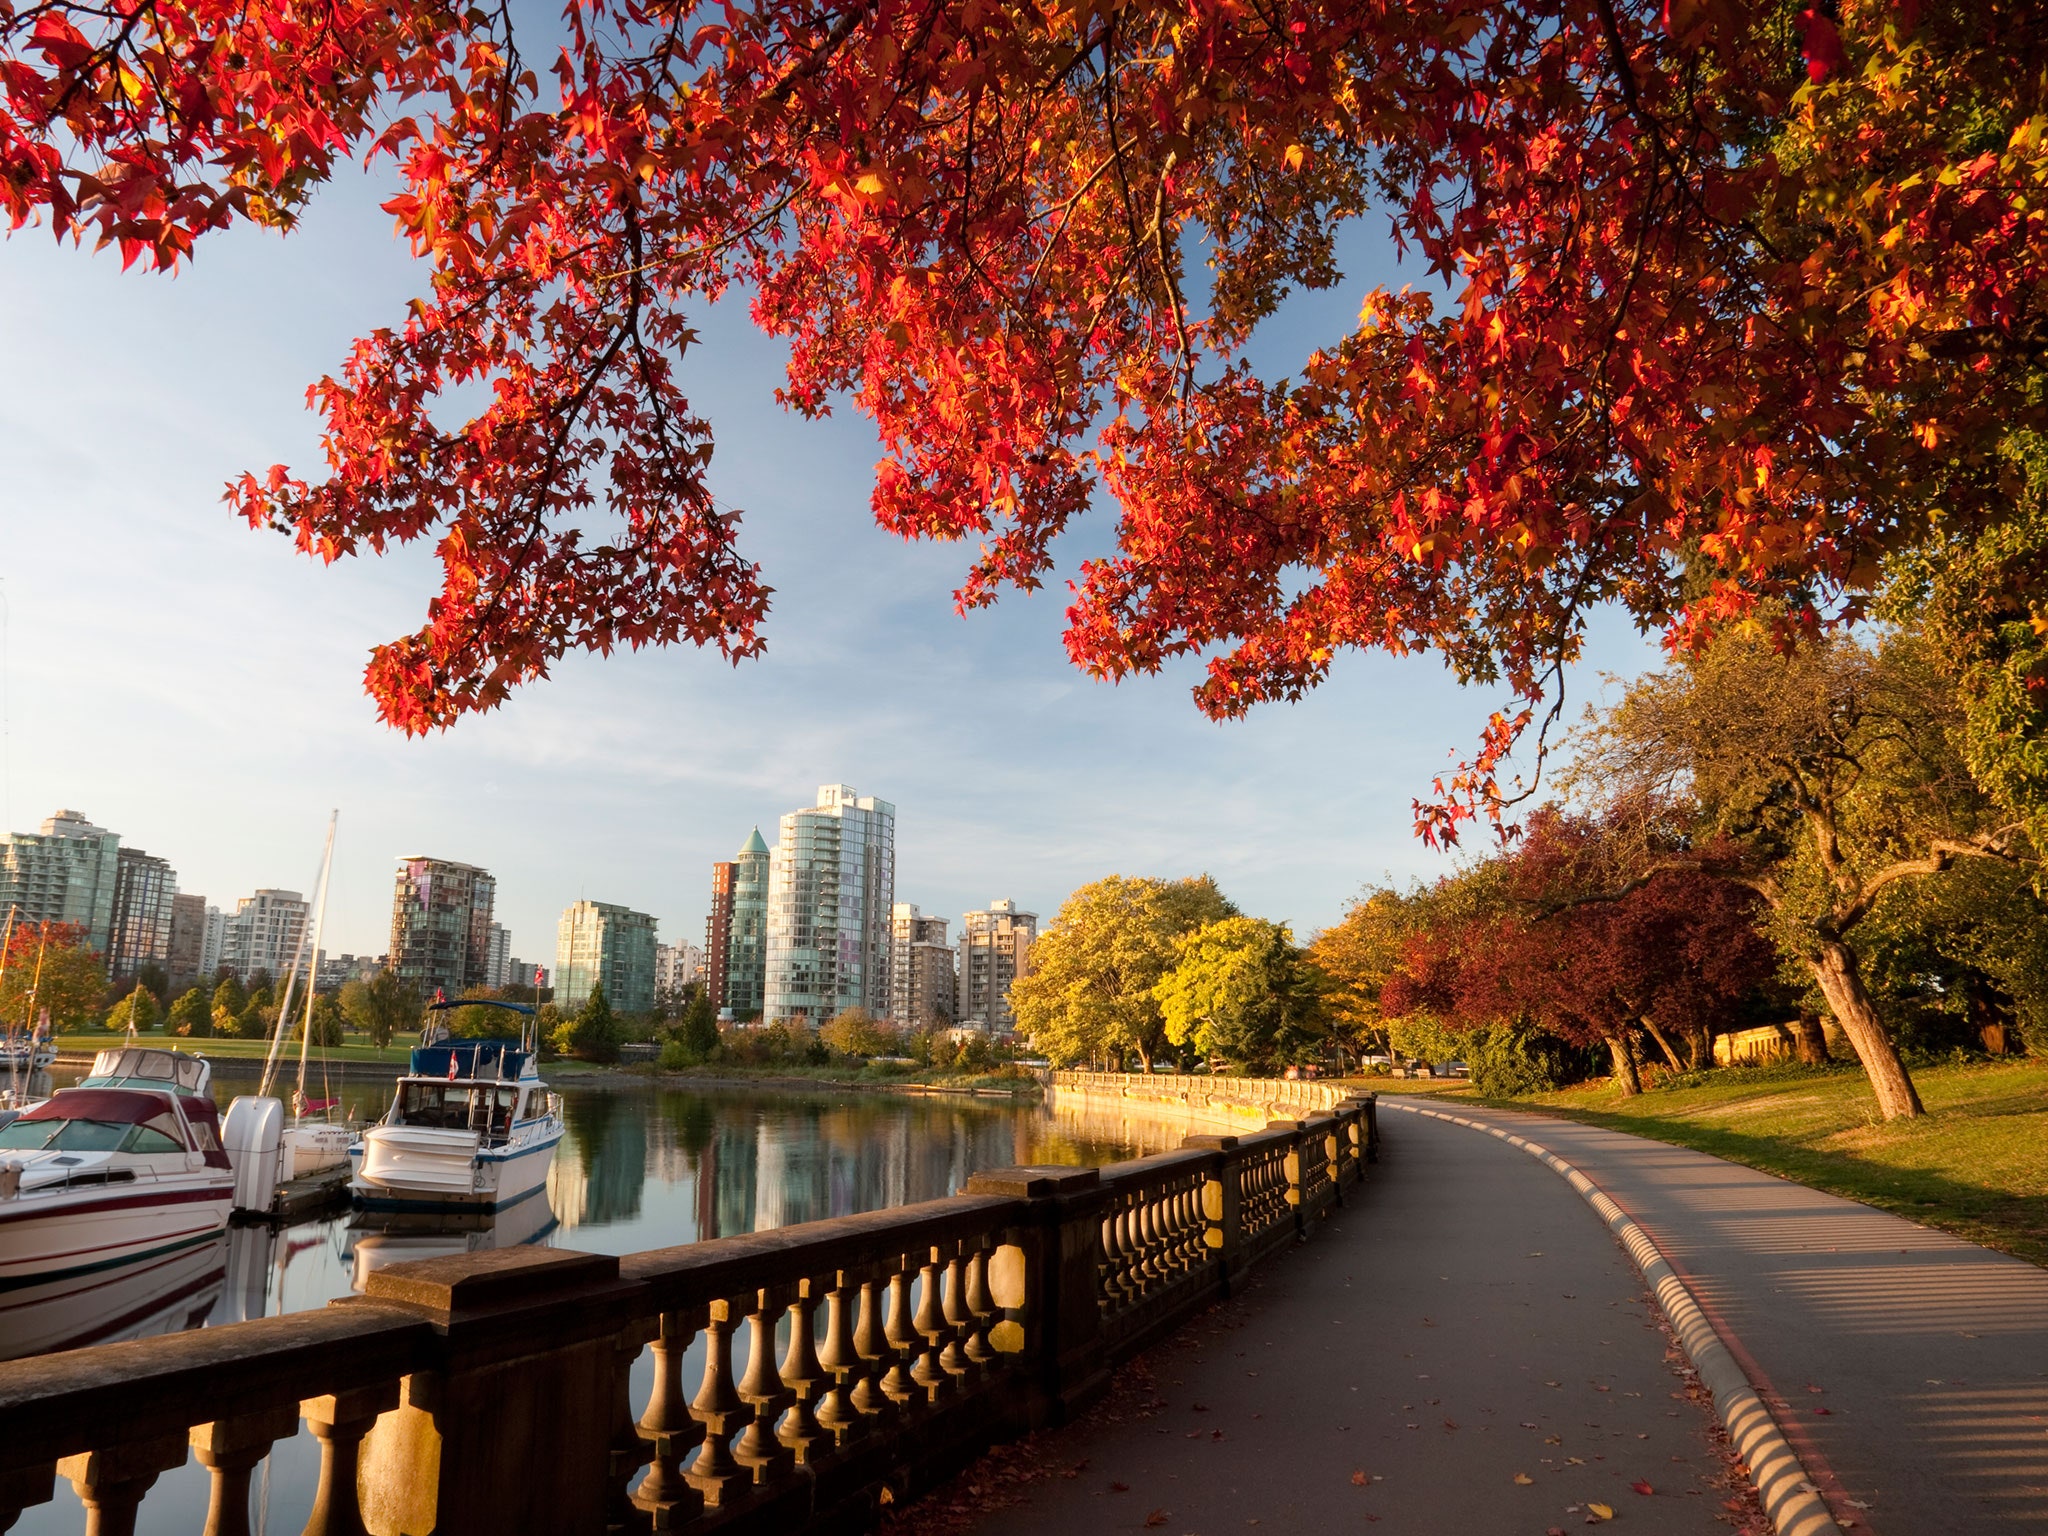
{"x":732,"y":1172}
{"x":601,"y":1166}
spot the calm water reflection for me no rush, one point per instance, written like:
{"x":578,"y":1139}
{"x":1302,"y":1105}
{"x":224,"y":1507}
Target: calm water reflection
{"x":641,"y":1167}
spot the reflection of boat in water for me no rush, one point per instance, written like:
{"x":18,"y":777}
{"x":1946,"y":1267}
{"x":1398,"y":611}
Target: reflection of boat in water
{"x":125,"y":1165}
{"x":165,"y":1294}
{"x":375,"y":1240}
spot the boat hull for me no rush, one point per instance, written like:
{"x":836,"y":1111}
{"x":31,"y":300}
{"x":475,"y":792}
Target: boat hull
{"x":394,"y":1170}
{"x":49,"y":1236}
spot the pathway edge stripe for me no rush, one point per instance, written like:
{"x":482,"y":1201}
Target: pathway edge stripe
{"x":1788,"y":1493}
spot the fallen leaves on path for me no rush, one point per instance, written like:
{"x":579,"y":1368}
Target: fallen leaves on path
{"x":1524,"y":1479}
{"x":1600,"y":1511}
{"x":1157,"y":1517}
{"x":1642,"y":1487}
{"x":1359,"y":1479}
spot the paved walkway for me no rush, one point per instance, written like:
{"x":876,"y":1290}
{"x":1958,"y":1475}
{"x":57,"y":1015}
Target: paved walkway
{"x":1908,"y":1368}
{"x":1462,"y":1325}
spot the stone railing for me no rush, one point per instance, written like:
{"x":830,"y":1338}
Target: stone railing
{"x":840,"y":1366}
{"x":1198,"y":1090}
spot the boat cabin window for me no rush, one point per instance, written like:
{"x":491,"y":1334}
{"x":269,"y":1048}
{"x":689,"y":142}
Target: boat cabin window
{"x":456,"y":1107}
{"x":87,"y":1136}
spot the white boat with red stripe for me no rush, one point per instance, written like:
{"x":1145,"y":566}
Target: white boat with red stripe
{"x":127,"y":1164}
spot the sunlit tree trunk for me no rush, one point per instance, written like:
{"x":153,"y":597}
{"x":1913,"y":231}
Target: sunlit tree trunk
{"x":1812,"y":1042}
{"x":1841,"y":983}
{"x":1663,"y":1045}
{"x":1625,"y":1072}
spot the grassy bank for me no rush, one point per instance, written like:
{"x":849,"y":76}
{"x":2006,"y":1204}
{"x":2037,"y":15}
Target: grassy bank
{"x":1976,"y":1164}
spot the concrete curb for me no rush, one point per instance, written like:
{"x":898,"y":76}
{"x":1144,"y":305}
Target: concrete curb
{"x":1788,"y":1494}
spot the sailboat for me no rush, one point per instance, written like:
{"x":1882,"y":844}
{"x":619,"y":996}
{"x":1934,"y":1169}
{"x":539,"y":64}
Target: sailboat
{"x":267,"y":1151}
{"x":30,"y":1051}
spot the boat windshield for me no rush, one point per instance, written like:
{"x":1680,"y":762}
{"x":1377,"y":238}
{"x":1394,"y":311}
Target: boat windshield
{"x":84,"y":1136}
{"x":456,"y":1107}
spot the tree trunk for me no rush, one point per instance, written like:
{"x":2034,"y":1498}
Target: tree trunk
{"x":1663,"y":1045}
{"x":1842,"y":985}
{"x":1812,"y":1041}
{"x":1625,"y":1067}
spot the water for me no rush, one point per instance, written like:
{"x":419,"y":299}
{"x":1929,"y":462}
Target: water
{"x":640,"y":1167}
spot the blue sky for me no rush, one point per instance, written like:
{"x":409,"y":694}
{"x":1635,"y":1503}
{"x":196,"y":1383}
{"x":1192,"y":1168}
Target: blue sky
{"x":196,"y":686}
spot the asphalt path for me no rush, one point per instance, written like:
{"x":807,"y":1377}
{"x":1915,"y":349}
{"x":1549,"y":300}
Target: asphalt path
{"x":1461,"y":1349}
{"x":1908,"y":1368}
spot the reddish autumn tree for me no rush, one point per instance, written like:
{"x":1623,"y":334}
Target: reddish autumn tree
{"x":49,"y":968}
{"x":1736,"y":288}
{"x":1672,"y":956}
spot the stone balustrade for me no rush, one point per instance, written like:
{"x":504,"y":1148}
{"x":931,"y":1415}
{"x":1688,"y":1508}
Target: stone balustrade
{"x":841,"y":1365}
{"x":1199,"y":1091}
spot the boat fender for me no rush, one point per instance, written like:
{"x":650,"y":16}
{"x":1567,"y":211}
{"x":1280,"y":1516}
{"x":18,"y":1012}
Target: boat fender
{"x":10,"y":1180}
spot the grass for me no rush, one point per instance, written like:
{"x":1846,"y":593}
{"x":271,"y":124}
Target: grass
{"x":1976,"y":1164}
{"x":868,"y":1075}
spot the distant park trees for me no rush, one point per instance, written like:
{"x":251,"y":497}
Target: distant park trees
{"x":51,"y":969}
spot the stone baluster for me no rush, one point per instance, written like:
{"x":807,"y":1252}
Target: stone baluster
{"x":761,"y":1389}
{"x":901,"y":1333}
{"x":954,"y":1358}
{"x":931,"y":1325}
{"x":670,"y":1431}
{"x":714,"y":1473}
{"x":803,"y":1374}
{"x":339,"y":1421}
{"x":981,"y":1307}
{"x":871,"y":1343}
{"x":629,"y":1450}
{"x":229,"y":1449}
{"x":840,"y":1357}
{"x":23,"y":1488}
{"x":111,"y":1483}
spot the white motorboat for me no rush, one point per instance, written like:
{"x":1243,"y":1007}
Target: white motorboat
{"x":377,"y":1239}
{"x":23,"y":1054}
{"x":129,"y":1163}
{"x":471,"y":1128}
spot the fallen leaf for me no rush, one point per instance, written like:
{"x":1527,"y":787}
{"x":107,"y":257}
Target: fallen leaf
{"x":1119,"y":1487}
{"x":1642,"y":1487}
{"x":1600,"y":1511}
{"x":1829,"y":1411}
{"x":1553,"y":1439}
{"x":1524,"y":1479}
{"x":1575,"y":1461}
{"x":1359,"y":1479}
{"x":1157,"y":1517}
{"x":1527,"y":1425}
{"x":1450,"y":1423}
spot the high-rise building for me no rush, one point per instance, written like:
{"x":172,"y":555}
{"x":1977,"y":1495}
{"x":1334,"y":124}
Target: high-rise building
{"x":264,"y":935}
{"x":215,"y":944}
{"x":718,"y":930}
{"x":498,"y":960}
{"x":186,"y":961}
{"x":745,"y":994}
{"x":831,"y":887}
{"x":140,"y":933}
{"x":995,"y":950}
{"x":441,"y":925}
{"x":921,"y":987}
{"x":525,"y":974}
{"x":676,"y":966}
{"x":65,"y":873}
{"x":597,"y":942}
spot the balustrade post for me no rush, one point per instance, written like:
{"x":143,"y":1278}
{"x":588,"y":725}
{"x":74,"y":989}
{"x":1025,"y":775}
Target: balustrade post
{"x":715,"y":1473}
{"x":513,"y":1426}
{"x":1222,"y":1206}
{"x":1294,"y":1171}
{"x":761,"y":1389}
{"x":229,"y":1450}
{"x":1045,"y":1277}
{"x":339,"y":1421}
{"x":629,"y":1452}
{"x":111,"y":1483}
{"x":668,"y":1428}
{"x":802,"y":1374}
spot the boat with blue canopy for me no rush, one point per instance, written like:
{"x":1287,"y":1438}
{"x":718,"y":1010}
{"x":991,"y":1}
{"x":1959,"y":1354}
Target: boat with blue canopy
{"x":471,"y":1127}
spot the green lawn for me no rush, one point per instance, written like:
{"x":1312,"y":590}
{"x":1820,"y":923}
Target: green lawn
{"x":1976,"y":1164}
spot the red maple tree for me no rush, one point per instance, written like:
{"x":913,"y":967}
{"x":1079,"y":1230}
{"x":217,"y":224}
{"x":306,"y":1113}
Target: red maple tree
{"x":1737,"y":297}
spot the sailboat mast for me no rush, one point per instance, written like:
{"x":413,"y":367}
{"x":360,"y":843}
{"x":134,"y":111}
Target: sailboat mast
{"x":312,"y":982}
{"x":284,"y":1006}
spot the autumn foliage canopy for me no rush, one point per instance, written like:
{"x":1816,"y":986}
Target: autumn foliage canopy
{"x":1730,"y":300}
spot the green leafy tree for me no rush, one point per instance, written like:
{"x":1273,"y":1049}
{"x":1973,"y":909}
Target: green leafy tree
{"x":191,"y":1014}
{"x":138,"y":1010}
{"x":594,"y":1033}
{"x":381,"y":1007}
{"x":327,"y":1021}
{"x":697,"y":1032}
{"x":854,"y":1032}
{"x":229,"y":999}
{"x":1357,"y":956}
{"x":1239,"y":993}
{"x":1089,"y":992}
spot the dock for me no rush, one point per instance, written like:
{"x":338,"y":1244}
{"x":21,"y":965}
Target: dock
{"x":307,"y":1196}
